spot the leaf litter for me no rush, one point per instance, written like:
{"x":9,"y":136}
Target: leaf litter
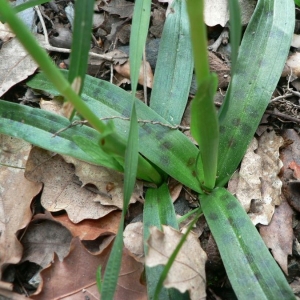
{"x":76,"y":215}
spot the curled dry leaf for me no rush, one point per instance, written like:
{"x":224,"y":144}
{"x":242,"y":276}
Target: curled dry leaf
{"x":133,"y":240}
{"x":66,"y":279}
{"x":62,"y":188}
{"x":91,"y":229}
{"x":5,"y":32}
{"x":124,"y":70}
{"x":217,"y":11}
{"x":44,"y":237}
{"x":16,"y":194}
{"x":258,"y":180}
{"x":108,"y":182}
{"x":292,"y":65}
{"x":15,"y":64}
{"x":188,"y":270}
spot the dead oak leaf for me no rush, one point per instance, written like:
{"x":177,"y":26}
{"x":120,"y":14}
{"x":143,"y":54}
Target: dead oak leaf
{"x":146,"y":75}
{"x":108,"y":182}
{"x":133,"y":240}
{"x":66,"y":279}
{"x":44,"y":237}
{"x":16,"y":194}
{"x":278,"y":235}
{"x":294,"y":166}
{"x":258,"y":180}
{"x":188,"y":270}
{"x":122,"y":8}
{"x":62,"y":188}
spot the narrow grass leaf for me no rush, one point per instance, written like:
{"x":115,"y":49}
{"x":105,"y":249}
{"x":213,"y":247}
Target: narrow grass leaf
{"x":235,"y":26}
{"x":174,"y":66}
{"x":262,"y":55}
{"x":81,"y":41}
{"x":204,"y":120}
{"x":112,"y":269}
{"x":138,"y":36}
{"x":252,"y":271}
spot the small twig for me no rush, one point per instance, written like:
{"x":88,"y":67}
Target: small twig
{"x":281,"y":115}
{"x":76,"y":123}
{"x":281,"y":97}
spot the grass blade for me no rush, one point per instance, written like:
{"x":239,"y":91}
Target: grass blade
{"x":138,"y":36}
{"x":172,"y":80}
{"x":235,"y":25}
{"x":81,"y":41}
{"x":262,"y":55}
{"x":252,"y":271}
{"x":204,"y":121}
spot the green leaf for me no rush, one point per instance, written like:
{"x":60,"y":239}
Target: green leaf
{"x":167,"y":148}
{"x":252,"y":271}
{"x":262,"y":55}
{"x":38,"y":127}
{"x":235,"y":25}
{"x":112,"y":270}
{"x":204,"y":120}
{"x":205,"y":129}
{"x":174,"y":67}
{"x":81,"y":42}
{"x":138,"y":36}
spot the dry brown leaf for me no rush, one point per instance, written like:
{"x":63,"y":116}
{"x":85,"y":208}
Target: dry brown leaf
{"x":257,"y":180}
{"x":188,"y":270}
{"x":68,"y":278}
{"x":91,"y":229}
{"x":15,"y":64}
{"x":290,"y":155}
{"x":278,"y":235}
{"x":75,"y":277}
{"x":296,"y":41}
{"x":8,"y":294}
{"x":124,"y":70}
{"x":247,"y":181}
{"x":133,"y":240}
{"x":42,"y":238}
{"x":16,"y":194}
{"x":62,"y":189}
{"x":292,"y":65}
{"x":158,"y":20}
{"x":122,"y":8}
{"x":294,"y":166}
{"x":217,"y":12}
{"x":5,"y":32}
{"x":108,"y":182}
